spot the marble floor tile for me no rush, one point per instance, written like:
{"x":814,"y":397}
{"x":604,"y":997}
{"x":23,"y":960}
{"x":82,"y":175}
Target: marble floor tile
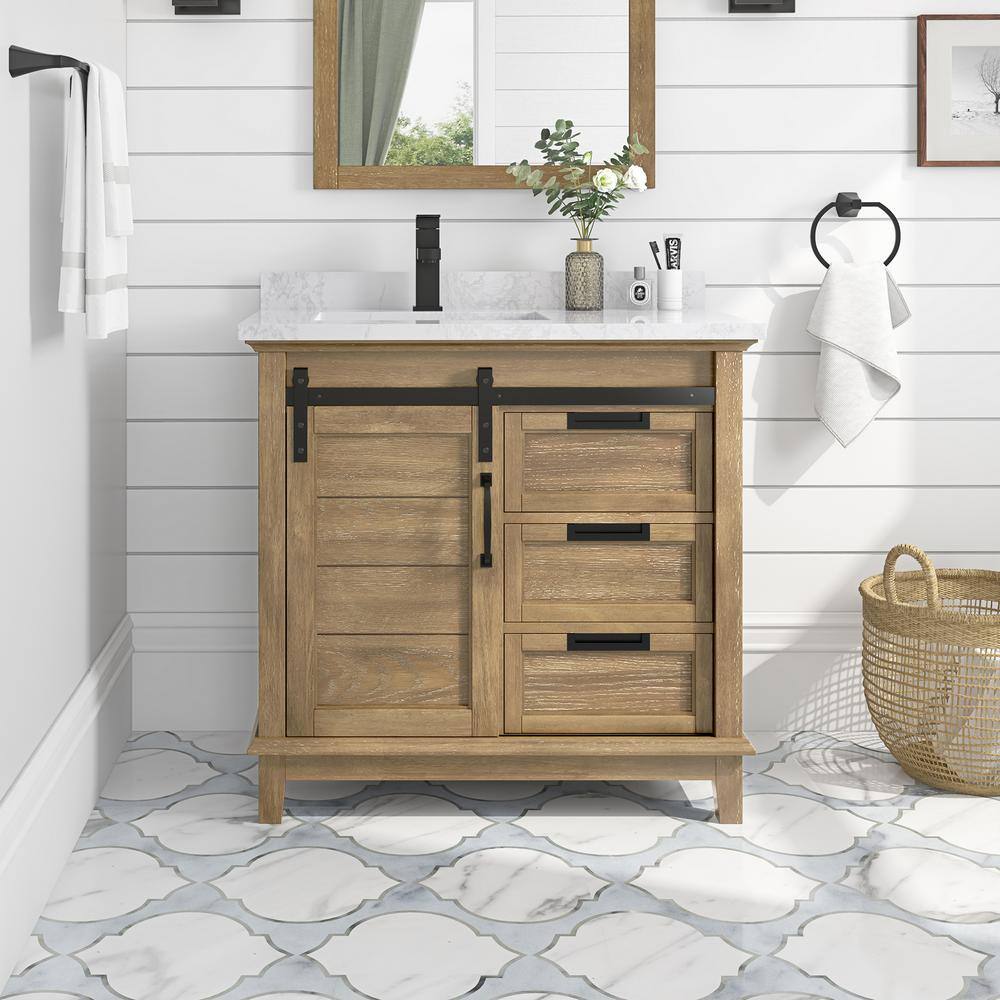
{"x":847,"y":880}
{"x":726,"y":885}
{"x":103,"y":882}
{"x":303,"y":884}
{"x":154,"y":774}
{"x":179,"y":956}
{"x":407,"y":824}
{"x":514,"y":884}
{"x":930,"y":884}
{"x":598,"y":824}
{"x":211,"y":824}
{"x":413,"y":956}
{"x":850,"y":776}
{"x":882,"y":958}
{"x":632,"y":956}
{"x":790,"y":824}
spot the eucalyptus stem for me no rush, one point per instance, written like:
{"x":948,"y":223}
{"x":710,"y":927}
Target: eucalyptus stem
{"x":572,"y":186}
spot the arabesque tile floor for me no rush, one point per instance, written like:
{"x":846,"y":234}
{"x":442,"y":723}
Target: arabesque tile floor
{"x":846,"y":880}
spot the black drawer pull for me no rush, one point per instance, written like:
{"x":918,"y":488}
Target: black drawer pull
{"x":486,"y":481}
{"x":607,"y":421}
{"x":607,"y":532}
{"x":599,"y":642}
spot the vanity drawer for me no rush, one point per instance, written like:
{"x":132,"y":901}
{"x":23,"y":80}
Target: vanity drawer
{"x":624,"y":572}
{"x":613,"y":459}
{"x":602,"y":683}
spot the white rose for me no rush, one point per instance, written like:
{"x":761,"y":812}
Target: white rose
{"x":605,"y":180}
{"x":635,"y":178}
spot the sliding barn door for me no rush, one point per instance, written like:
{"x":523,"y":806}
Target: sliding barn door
{"x":385,"y":531}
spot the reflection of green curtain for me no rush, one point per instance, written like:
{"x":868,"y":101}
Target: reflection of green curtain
{"x":377,"y":38}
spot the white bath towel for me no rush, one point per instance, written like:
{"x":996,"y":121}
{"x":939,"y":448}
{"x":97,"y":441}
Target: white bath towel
{"x":855,"y":314}
{"x":109,"y":205}
{"x":74,"y":215}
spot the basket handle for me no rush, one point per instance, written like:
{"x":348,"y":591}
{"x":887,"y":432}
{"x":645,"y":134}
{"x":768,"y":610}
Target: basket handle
{"x":930,"y":574}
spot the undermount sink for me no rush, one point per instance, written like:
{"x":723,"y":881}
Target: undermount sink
{"x":451,"y":316}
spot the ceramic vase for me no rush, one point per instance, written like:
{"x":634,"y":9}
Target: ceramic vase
{"x":584,"y":277}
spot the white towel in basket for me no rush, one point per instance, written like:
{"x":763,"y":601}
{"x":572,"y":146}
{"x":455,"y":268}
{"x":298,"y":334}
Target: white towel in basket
{"x":856,"y":311}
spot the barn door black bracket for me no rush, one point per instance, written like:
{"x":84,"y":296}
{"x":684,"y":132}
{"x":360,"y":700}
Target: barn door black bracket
{"x":300,"y":414}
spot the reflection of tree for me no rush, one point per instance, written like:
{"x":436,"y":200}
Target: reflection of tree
{"x":449,"y":142}
{"x":989,"y":73}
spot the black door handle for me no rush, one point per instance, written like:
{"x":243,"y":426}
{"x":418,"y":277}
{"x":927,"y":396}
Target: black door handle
{"x":607,"y":533}
{"x":486,"y":481}
{"x":607,"y":421}
{"x":599,"y":642}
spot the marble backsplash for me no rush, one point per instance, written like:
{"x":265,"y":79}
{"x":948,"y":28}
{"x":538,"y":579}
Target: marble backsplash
{"x":460,"y":290}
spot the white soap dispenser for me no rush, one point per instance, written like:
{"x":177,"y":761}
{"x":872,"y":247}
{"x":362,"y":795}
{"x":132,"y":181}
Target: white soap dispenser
{"x":640,"y":292}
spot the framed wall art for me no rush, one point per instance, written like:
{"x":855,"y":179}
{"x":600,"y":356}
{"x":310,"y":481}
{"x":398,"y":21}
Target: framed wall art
{"x":959,"y":90}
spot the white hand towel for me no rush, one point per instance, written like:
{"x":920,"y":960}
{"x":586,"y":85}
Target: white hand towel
{"x":109,"y":205}
{"x":856,"y":311}
{"x":74,"y":246}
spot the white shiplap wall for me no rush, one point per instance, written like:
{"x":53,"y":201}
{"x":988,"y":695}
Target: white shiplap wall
{"x":761,"y":121}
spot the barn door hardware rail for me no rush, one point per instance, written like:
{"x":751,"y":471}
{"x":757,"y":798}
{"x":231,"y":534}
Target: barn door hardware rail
{"x":848,"y":206}
{"x":484,"y":396}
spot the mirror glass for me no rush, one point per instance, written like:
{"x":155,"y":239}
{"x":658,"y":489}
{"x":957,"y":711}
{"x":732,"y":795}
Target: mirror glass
{"x":472,"y":82}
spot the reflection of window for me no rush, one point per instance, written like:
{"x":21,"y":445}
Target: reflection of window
{"x":436,"y":123}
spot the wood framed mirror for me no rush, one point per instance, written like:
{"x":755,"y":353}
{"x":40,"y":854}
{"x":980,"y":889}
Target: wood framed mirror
{"x":468,"y":85}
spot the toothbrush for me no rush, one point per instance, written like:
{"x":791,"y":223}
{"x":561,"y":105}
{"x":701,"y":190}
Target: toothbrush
{"x":655,"y":247}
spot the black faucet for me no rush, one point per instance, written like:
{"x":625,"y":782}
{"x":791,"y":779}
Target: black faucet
{"x":428,"y":264}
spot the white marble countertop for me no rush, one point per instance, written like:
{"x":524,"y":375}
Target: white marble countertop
{"x":541,"y":325}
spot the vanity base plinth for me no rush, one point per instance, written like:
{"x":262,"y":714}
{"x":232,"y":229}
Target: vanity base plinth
{"x":505,"y":759}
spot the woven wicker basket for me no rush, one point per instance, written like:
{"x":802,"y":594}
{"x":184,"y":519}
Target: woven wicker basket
{"x":931,"y":660}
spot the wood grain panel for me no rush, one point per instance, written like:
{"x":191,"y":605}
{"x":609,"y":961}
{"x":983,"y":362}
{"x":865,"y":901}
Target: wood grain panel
{"x":389,"y":419}
{"x":397,"y":600}
{"x":543,"y":364}
{"x":728,"y":554}
{"x":372,"y":670}
{"x":549,"y":578}
{"x":507,"y":768}
{"x":554,"y":468}
{"x":301,"y":584}
{"x":551,"y":690}
{"x":272,"y":423}
{"x":392,"y":532}
{"x":392,"y":722}
{"x":370,"y":465}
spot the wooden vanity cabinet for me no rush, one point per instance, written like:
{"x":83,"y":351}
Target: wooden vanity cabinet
{"x":462,"y":580}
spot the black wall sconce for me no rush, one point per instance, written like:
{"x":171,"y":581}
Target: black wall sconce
{"x":188,"y":7}
{"x":761,"y":6}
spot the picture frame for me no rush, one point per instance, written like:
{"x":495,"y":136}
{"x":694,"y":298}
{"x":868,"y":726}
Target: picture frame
{"x":958,"y":90}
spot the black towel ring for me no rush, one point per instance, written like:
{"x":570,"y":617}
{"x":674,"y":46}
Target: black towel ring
{"x":848,"y":205}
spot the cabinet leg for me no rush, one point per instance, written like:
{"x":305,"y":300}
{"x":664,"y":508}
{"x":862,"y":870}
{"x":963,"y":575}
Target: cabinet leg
{"x":729,"y":789}
{"x":271,"y":790}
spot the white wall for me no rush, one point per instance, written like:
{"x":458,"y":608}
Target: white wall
{"x":64,"y":681}
{"x":761,"y":121}
{"x":554,"y":61}
{"x":62,"y":504}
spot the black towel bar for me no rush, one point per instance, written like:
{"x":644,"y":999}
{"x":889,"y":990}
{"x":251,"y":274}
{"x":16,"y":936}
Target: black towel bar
{"x":848,"y":205}
{"x":23,"y":61}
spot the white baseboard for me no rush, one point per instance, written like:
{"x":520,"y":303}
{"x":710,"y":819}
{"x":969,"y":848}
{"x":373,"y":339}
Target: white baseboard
{"x":46,"y":807}
{"x":763,"y":632}
{"x":802,"y":671}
